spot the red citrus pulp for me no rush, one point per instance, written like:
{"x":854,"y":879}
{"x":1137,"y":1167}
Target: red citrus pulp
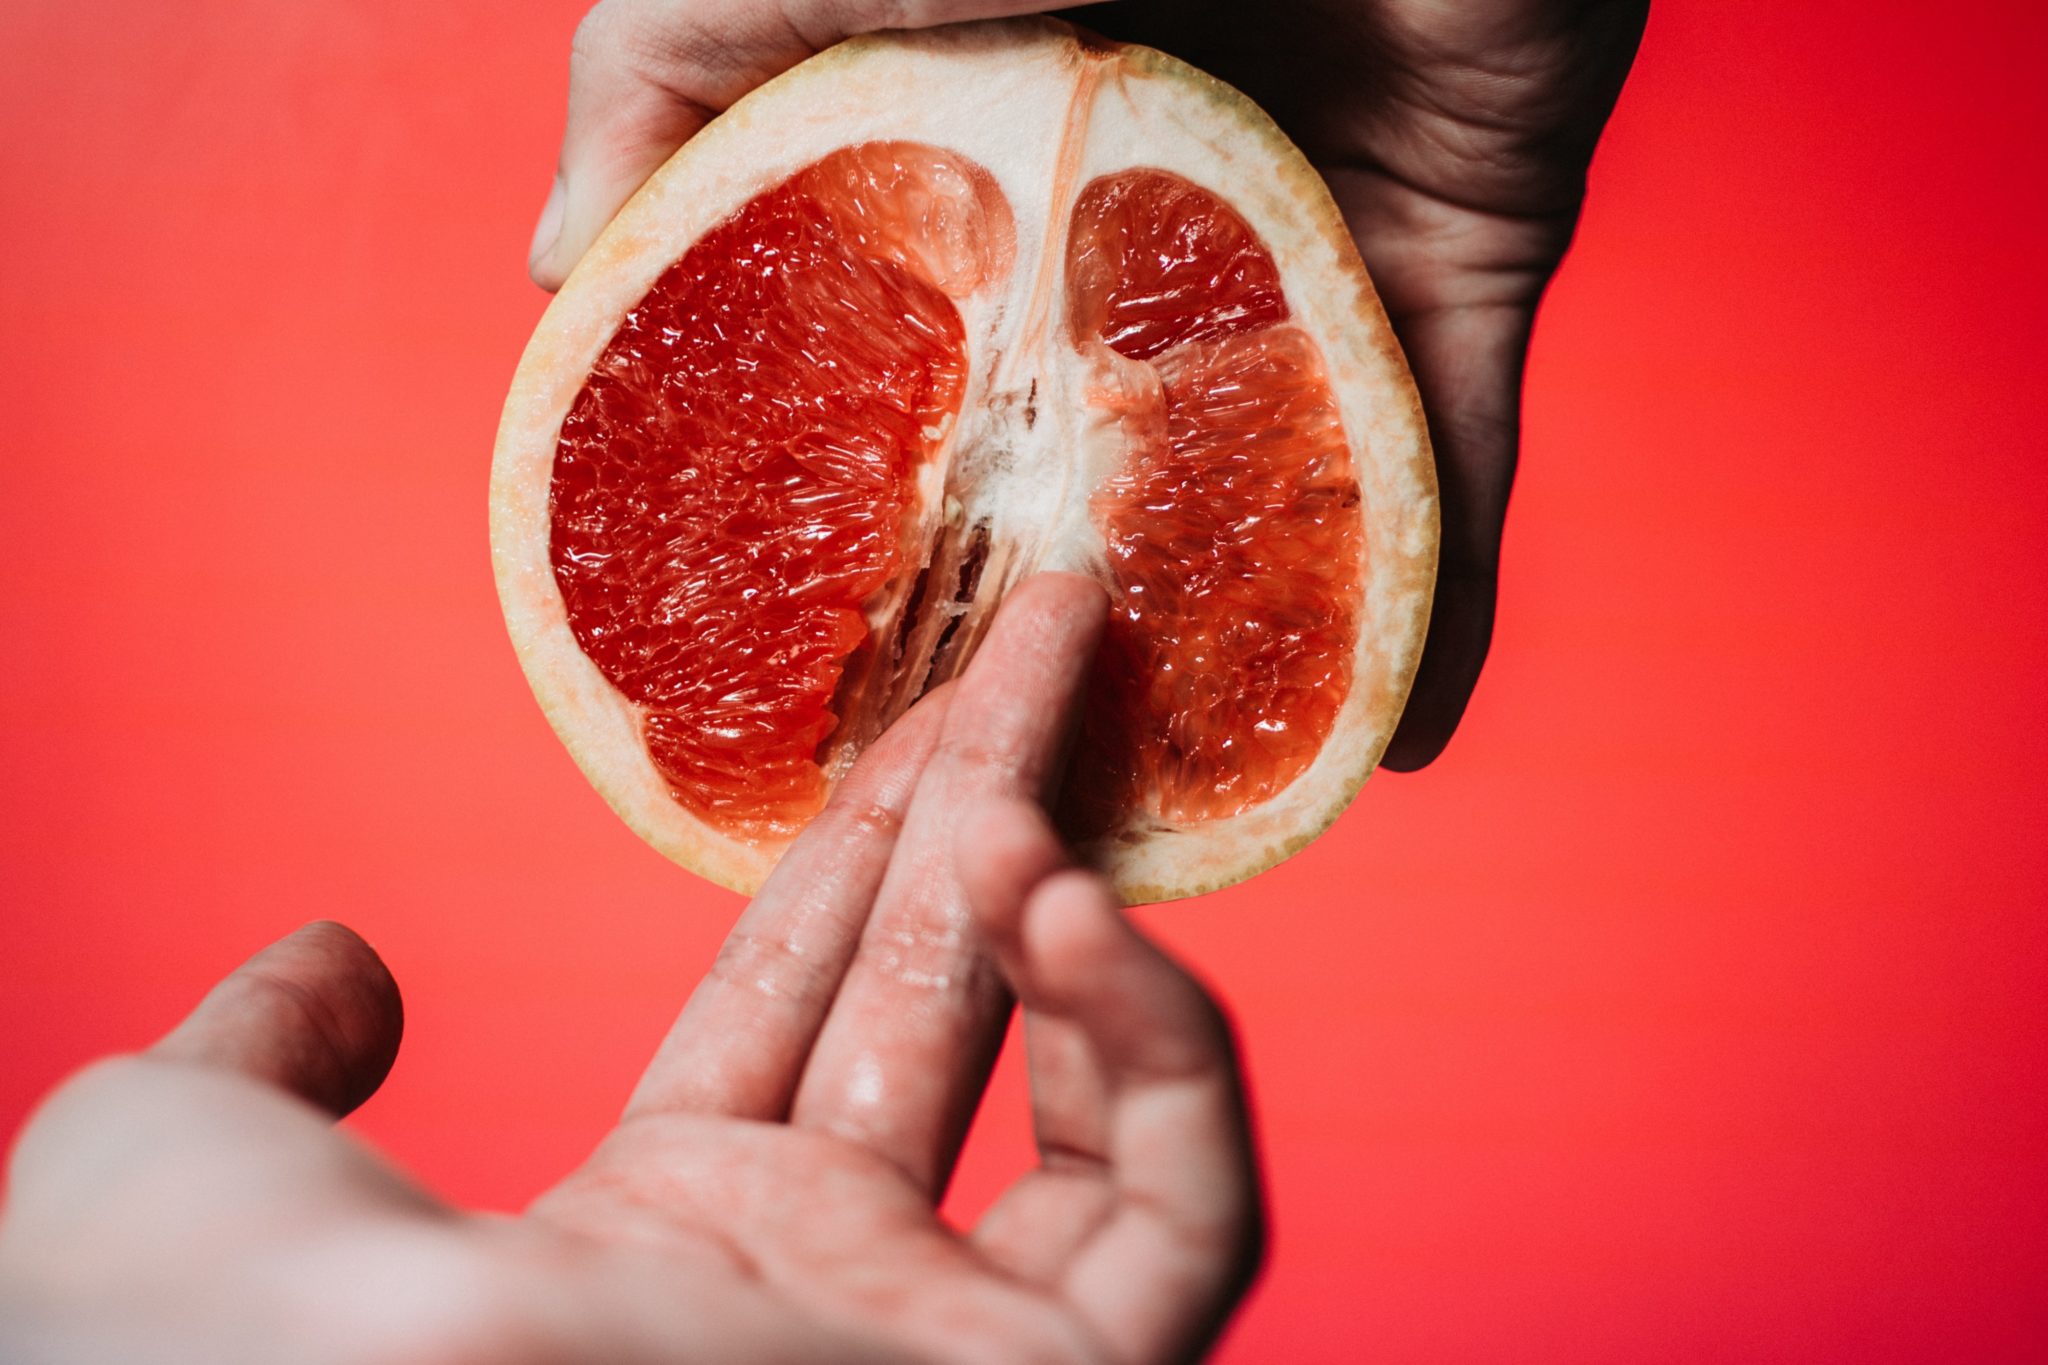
{"x":818,"y":436}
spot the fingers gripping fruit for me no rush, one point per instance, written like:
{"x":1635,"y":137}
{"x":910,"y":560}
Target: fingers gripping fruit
{"x":924,"y":315}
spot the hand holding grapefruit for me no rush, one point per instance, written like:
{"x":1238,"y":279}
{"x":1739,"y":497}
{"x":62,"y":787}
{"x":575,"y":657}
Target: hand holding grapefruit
{"x":918,"y":318}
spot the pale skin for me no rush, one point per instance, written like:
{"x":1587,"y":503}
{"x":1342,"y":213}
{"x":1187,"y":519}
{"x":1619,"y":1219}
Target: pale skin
{"x":1455,"y":135}
{"x":770,"y":1191}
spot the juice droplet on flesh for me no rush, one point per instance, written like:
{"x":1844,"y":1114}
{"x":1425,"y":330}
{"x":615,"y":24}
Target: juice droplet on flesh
{"x":1235,"y":530}
{"x":734,"y":481}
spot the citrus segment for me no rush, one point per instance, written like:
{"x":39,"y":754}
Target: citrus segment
{"x":734,"y":481}
{"x":1235,"y":534}
{"x":915,"y":320}
{"x":1154,"y":262}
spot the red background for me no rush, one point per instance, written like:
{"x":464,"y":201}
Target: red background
{"x":1691,"y":1009}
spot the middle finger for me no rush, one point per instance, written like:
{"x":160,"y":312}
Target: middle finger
{"x":906,"y":1050}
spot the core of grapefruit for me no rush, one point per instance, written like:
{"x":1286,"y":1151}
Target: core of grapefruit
{"x":926,"y":314}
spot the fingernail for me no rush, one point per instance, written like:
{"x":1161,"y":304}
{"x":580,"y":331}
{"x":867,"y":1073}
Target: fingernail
{"x":549,"y":228}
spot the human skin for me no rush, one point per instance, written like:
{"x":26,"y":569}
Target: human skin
{"x":1455,"y":135}
{"x":770,"y":1192}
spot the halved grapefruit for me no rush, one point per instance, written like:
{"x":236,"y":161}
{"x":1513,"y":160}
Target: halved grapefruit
{"x":925,"y":314}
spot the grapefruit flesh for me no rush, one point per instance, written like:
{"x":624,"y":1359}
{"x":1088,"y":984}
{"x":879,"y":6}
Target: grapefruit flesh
{"x":732,"y":486}
{"x":923,"y":316}
{"x":732,"y":483}
{"x":1234,"y":536}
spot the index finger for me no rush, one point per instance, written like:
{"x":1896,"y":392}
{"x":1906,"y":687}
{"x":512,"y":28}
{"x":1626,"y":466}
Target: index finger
{"x":739,"y":1045}
{"x":905,"y":1054}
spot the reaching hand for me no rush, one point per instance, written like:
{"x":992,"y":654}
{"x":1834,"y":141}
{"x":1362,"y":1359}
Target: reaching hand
{"x":769,"y":1194}
{"x":1455,"y":135}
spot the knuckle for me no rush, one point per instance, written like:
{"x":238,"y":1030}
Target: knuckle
{"x":629,"y":36}
{"x":929,"y":958}
{"x":875,"y":821}
{"x":593,"y":40}
{"x":881,"y":14}
{"x":979,"y":753}
{"x":675,"y":47}
{"x":768,"y":966}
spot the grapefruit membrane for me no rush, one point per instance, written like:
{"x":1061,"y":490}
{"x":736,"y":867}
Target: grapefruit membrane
{"x":926,"y":314}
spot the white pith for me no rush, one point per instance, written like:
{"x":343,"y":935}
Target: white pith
{"x":1043,"y":115}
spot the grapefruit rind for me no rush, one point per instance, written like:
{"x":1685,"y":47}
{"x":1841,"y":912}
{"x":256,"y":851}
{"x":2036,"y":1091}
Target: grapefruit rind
{"x":1000,"y":94}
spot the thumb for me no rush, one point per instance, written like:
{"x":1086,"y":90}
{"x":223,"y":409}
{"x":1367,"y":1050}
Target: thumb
{"x":645,"y":75}
{"x":315,"y":1014}
{"x":635,"y":95}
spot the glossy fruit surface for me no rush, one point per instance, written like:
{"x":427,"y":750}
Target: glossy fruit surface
{"x":768,"y":471}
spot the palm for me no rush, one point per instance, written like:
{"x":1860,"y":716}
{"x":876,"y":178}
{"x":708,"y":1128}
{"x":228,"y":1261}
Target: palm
{"x":771,"y":1192}
{"x":843,"y":1241}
